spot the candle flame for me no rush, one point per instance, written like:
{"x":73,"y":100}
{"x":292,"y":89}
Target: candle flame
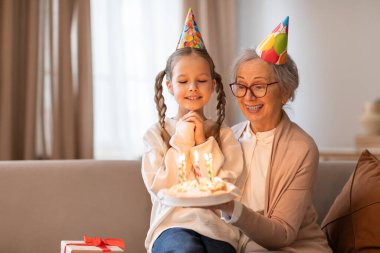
{"x":196,"y":157}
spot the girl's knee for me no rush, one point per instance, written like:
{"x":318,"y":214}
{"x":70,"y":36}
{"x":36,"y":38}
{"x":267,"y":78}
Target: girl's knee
{"x":178,"y":240}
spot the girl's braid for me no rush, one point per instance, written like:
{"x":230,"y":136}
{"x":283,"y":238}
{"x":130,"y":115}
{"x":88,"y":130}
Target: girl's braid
{"x":160,"y":105}
{"x":221,"y":112}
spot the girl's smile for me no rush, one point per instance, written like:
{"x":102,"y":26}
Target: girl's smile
{"x":193,"y":97}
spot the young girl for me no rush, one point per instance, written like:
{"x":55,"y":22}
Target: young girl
{"x":191,"y":79}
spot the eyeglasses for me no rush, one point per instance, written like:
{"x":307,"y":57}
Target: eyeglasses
{"x":258,"y":90}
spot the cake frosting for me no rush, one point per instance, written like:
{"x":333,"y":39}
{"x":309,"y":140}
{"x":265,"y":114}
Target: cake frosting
{"x":197,"y":188}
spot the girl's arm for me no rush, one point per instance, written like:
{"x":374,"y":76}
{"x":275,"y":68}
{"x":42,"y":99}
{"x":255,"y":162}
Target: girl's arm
{"x":159,"y":163}
{"x":227,"y":159}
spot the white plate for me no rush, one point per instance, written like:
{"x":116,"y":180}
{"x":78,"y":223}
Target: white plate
{"x":210,"y":200}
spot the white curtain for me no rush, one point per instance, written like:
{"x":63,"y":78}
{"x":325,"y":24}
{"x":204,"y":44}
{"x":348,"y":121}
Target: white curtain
{"x":131,"y":43}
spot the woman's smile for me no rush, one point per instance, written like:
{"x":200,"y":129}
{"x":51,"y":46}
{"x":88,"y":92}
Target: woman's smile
{"x":254,"y":108}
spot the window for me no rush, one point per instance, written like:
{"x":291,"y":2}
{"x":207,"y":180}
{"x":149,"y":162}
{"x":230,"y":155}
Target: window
{"x":131,"y":41}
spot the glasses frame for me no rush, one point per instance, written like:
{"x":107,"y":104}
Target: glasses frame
{"x":249,"y":88}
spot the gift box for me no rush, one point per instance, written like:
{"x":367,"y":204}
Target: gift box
{"x":106,"y":245}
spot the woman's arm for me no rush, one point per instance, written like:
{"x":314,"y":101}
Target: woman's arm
{"x":276,"y":231}
{"x":280,"y":226}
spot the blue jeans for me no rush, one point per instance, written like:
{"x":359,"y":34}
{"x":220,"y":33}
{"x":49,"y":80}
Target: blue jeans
{"x":181,"y":240}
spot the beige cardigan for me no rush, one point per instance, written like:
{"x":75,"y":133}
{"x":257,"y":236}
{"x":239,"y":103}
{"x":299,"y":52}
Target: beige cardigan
{"x":289,"y":219}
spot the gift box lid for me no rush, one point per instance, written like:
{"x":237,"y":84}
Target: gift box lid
{"x":71,"y":248}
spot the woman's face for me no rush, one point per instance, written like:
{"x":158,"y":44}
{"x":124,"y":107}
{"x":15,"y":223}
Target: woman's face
{"x":264,"y":113}
{"x":192,"y":84}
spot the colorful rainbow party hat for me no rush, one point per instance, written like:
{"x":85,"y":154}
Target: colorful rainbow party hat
{"x":190,"y":36}
{"x":273,"y":48}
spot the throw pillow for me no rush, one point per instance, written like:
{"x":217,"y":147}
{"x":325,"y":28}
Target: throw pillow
{"x":353,"y":221}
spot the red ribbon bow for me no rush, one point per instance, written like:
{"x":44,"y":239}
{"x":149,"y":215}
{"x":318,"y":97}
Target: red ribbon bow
{"x":101,"y":243}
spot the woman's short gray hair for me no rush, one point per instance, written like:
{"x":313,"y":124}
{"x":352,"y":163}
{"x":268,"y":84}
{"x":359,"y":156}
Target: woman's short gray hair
{"x":286,"y":74}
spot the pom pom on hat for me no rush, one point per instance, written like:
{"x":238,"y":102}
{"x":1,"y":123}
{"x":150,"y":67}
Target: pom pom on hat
{"x":190,"y":36}
{"x":273,"y":48}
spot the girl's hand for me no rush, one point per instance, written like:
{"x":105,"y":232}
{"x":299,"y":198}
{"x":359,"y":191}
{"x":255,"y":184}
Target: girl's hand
{"x":198,"y":122}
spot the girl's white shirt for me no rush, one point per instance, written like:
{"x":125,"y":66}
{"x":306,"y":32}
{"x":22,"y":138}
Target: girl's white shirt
{"x":160,"y":170}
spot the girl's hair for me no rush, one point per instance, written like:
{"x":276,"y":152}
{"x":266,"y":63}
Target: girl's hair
{"x":160,"y":101}
{"x":286,"y":74}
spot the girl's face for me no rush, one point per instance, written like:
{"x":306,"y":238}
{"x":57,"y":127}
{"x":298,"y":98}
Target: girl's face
{"x":264,"y":113}
{"x":191,"y":84}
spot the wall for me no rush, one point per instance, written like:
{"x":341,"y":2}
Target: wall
{"x":336,"y":47}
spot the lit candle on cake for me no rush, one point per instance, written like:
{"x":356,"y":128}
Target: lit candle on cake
{"x":184,"y":167}
{"x":181,"y":168}
{"x":210,"y":170}
{"x":211,"y":167}
{"x":197,"y":170}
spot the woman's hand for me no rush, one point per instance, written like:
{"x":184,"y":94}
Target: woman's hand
{"x":198,"y":121}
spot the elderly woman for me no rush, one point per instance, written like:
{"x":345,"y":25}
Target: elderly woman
{"x":276,"y":210}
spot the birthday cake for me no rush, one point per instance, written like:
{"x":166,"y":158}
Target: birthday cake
{"x":201,"y":191}
{"x":197,"y":188}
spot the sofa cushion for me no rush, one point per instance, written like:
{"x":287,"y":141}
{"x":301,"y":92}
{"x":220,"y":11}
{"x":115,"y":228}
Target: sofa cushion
{"x":353,"y":221}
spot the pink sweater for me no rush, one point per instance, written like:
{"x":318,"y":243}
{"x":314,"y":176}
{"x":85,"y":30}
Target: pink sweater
{"x":289,"y":219}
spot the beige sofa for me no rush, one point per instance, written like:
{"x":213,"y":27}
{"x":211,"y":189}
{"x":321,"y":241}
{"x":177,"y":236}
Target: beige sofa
{"x":44,"y":202}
